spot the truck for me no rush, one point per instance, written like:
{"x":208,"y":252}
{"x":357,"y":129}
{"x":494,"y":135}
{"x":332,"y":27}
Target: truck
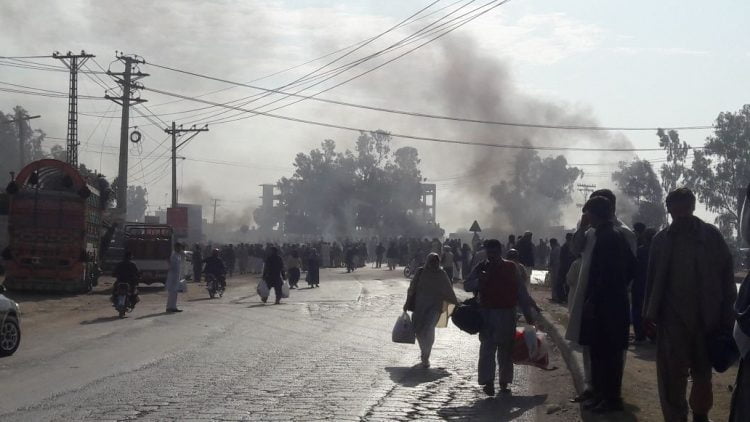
{"x":151,"y":246}
{"x":54,"y":229}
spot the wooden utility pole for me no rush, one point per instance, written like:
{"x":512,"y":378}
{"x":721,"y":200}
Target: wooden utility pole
{"x":127,"y":80}
{"x":73,"y":62}
{"x":175,"y":131}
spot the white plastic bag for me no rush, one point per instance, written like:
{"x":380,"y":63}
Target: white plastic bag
{"x":182,"y":286}
{"x":263,"y":290}
{"x":403,"y":331}
{"x":285,"y":289}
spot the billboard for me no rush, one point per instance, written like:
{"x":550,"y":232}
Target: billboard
{"x":178,"y":219}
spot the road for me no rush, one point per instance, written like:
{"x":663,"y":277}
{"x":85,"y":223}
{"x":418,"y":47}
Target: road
{"x":323,"y":354}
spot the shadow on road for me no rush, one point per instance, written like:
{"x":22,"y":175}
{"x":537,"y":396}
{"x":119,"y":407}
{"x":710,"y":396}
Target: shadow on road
{"x":155,"y":315}
{"x":413,"y":376}
{"x":627,"y":416}
{"x":201,"y":299}
{"x":500,"y":408}
{"x":100,"y":320}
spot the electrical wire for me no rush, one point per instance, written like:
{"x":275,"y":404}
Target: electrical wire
{"x":336,"y":71}
{"x":424,"y":32}
{"x":405,"y":136}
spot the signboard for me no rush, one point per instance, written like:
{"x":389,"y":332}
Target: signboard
{"x":178,"y":219}
{"x":151,"y":219}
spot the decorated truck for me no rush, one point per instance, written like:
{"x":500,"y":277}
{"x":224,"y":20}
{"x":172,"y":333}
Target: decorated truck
{"x":54,"y":229}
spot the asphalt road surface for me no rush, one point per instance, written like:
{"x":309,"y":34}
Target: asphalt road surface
{"x":323,"y":354}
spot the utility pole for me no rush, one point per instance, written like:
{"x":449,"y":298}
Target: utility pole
{"x":127,"y":80}
{"x":73,"y":62}
{"x":175,"y":131}
{"x":21,"y":134}
{"x":213,"y":221}
{"x":586,"y":190}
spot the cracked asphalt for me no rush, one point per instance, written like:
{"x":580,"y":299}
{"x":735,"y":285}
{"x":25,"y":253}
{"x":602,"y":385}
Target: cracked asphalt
{"x":323,"y":354}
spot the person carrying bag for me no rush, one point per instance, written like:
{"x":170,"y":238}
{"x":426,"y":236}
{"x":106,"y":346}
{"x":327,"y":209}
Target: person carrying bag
{"x":430,"y":295}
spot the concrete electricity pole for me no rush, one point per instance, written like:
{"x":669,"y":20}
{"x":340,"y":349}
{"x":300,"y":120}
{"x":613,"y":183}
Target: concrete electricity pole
{"x":127,"y":80}
{"x":175,"y":131}
{"x":73,"y":62}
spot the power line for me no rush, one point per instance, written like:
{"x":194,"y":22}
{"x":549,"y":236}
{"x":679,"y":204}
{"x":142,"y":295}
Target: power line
{"x":404,"y":136}
{"x":47,"y":56}
{"x":399,"y":44}
{"x":420,"y":34}
{"x":434,"y":116}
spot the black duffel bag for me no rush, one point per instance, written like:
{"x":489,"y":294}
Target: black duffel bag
{"x":467,"y":316}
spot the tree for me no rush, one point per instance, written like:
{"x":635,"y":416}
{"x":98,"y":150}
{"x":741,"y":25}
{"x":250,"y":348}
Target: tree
{"x":721,"y":170}
{"x":137,"y":197}
{"x":673,"y":172}
{"x":537,"y":190}
{"x":9,"y":142}
{"x":137,"y":203}
{"x":341,"y":194}
{"x":638,"y":181}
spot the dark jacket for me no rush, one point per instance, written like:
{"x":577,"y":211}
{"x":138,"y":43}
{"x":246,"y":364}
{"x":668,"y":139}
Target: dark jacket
{"x":606,"y":309}
{"x":273,"y":271}
{"x":215,"y":266}
{"x":525,"y":252}
{"x":718,"y":291}
{"x":126,"y":272}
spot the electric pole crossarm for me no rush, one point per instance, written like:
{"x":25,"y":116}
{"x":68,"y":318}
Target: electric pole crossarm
{"x":127,"y":81}
{"x":73,"y":63}
{"x":175,"y":131}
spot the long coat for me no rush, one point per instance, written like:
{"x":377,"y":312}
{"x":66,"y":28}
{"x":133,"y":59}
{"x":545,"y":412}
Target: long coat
{"x":175,"y":272}
{"x":606,"y":313}
{"x":715,"y":272}
{"x":583,"y":244}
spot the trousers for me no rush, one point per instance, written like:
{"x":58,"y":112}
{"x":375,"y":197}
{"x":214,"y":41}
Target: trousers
{"x":496,"y":345}
{"x":681,"y":351}
{"x":426,"y":336}
{"x":171,"y":299}
{"x":607,"y":365}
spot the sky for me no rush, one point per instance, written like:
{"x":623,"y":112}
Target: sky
{"x":634,"y":64}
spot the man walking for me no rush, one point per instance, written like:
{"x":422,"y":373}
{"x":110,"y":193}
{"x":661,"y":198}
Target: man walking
{"x":583,"y":244}
{"x":174,"y":276}
{"x":690,"y":293}
{"x":273,"y":273}
{"x":525,"y":248}
{"x":605,"y":321}
{"x":500,"y":290}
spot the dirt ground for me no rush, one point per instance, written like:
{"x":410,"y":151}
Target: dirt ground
{"x":639,"y":382}
{"x":50,"y":309}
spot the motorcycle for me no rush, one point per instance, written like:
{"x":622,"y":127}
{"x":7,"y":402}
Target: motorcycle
{"x":214,"y":285}
{"x":122,"y":300}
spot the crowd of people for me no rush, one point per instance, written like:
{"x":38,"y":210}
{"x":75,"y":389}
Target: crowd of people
{"x":674,"y":286}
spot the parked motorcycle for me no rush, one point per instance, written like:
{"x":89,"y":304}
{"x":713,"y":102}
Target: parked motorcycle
{"x":214,"y":285}
{"x":122,"y":300}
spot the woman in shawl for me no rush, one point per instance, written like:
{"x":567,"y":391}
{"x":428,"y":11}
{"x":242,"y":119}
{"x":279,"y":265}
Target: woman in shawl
{"x":429,"y":296}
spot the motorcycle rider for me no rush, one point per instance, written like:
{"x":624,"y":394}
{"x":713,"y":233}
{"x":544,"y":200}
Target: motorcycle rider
{"x":215,"y":266}
{"x":127,"y":272}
